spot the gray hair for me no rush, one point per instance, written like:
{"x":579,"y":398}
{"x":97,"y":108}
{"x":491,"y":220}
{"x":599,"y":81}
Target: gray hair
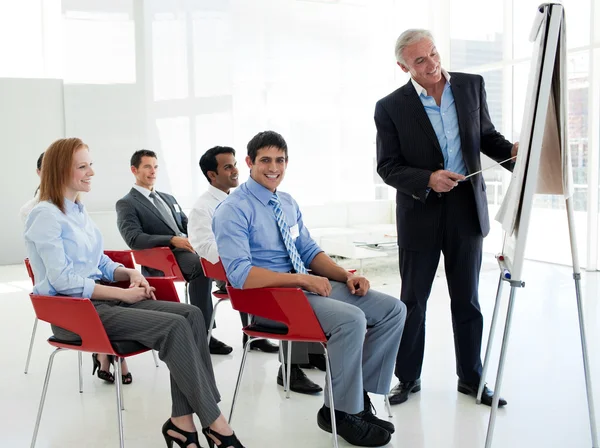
{"x":407,"y":38}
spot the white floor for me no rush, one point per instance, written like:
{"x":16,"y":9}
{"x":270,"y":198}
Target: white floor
{"x":543,"y":380}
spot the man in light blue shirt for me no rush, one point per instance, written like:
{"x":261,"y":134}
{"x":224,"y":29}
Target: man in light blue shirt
{"x":262,"y":242}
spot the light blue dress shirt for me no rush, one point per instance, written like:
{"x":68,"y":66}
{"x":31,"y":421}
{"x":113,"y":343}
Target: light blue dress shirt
{"x":247,"y":234}
{"x":65,"y":250}
{"x":444,"y":120}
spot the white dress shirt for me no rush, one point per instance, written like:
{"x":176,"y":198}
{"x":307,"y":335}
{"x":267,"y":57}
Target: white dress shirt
{"x":200,"y":223}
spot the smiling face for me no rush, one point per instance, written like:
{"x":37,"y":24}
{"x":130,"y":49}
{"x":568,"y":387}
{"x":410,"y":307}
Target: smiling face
{"x":226,"y":176}
{"x":268,"y":168}
{"x":422,"y":61}
{"x":145,"y":174}
{"x":81,"y":173}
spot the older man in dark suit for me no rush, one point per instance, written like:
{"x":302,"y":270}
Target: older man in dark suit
{"x":147,"y":218}
{"x":430,"y":133}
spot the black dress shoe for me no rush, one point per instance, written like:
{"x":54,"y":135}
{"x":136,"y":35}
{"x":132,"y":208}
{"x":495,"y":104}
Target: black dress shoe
{"x":315,"y":361}
{"x":264,"y":346}
{"x":368,"y":415}
{"x":401,"y":391}
{"x":487,"y":395}
{"x":353,"y":429}
{"x":217,"y":347}
{"x":299,"y":382}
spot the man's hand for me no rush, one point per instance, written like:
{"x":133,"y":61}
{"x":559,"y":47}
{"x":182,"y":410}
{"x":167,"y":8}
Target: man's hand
{"x":316,"y":284}
{"x":135,"y":294}
{"x":515,"y":149}
{"x":358,"y":285}
{"x":182,"y":243}
{"x":442,"y":181}
{"x":138,"y":280}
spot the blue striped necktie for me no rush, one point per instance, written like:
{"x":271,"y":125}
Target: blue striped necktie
{"x":287,"y":237}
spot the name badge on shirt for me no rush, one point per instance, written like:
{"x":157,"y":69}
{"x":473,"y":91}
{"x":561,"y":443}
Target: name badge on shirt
{"x":294,"y":232}
{"x":177,"y":207}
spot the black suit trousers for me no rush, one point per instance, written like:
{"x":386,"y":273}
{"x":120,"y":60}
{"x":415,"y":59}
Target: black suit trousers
{"x":458,"y":237}
{"x":200,"y":287}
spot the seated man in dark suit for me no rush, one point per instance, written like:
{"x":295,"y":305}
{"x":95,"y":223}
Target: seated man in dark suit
{"x":147,"y":218}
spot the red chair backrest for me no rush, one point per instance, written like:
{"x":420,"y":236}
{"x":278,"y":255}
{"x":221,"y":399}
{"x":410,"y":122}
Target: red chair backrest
{"x":29,"y":271}
{"x":165,"y":289}
{"x":160,"y":258}
{"x":121,"y":256}
{"x":286,"y":305}
{"x":74,"y":314}
{"x":215,"y":271}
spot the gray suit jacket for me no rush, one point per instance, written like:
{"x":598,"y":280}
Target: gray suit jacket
{"x":141,"y":224}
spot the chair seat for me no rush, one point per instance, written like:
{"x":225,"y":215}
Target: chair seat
{"x":123,"y":348}
{"x":258,"y":331}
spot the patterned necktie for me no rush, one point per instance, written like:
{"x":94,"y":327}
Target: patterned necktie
{"x":166,"y":214}
{"x":287,"y":237}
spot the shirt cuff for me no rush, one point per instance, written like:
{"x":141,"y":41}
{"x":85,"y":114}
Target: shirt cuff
{"x":88,"y":288}
{"x":110,"y":271}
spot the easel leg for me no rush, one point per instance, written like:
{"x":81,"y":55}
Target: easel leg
{"x":586,"y":362}
{"x":498,"y":385}
{"x":488,"y":349}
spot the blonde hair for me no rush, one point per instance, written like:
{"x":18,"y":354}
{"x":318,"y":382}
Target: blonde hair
{"x":56,"y":170}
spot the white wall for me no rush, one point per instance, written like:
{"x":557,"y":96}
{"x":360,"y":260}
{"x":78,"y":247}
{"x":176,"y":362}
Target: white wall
{"x":31,"y":117}
{"x":109,"y":118}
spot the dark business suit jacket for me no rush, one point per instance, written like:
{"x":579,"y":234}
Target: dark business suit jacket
{"x":141,"y":224}
{"x":408,"y":152}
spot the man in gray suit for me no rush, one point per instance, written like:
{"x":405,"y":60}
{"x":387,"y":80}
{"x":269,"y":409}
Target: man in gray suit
{"x":147,"y":218}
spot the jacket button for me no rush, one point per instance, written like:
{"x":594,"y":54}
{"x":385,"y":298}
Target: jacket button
{"x":442,"y":165}
{"x":439,"y":195}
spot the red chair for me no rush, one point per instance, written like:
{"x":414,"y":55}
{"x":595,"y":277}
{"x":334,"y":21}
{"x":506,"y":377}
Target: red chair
{"x":79,"y":316}
{"x":290,"y":307}
{"x":216,"y":272}
{"x":161,"y":258}
{"x":120,"y":256}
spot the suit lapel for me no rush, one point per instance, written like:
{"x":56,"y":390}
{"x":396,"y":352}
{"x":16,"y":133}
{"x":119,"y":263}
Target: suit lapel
{"x":418,"y":111}
{"x":140,"y":198}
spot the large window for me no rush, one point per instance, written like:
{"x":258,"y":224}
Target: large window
{"x":199,"y":73}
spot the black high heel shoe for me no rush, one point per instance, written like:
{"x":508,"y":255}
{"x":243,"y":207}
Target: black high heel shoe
{"x":125,"y":379}
{"x":226,"y":441}
{"x":102,"y":374}
{"x":190,"y":437}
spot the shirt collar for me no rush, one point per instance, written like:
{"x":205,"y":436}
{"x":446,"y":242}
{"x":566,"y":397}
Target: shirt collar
{"x":218,"y":194}
{"x":143,"y":190}
{"x":71,"y":206}
{"x":421,"y":90}
{"x":261,"y":193}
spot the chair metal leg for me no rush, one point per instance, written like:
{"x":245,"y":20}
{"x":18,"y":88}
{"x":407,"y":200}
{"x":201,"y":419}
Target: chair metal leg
{"x":282,"y":361}
{"x":79,"y":362}
{"x":119,"y":401}
{"x":288,"y":369}
{"x":239,"y":379}
{"x":212,"y":320}
{"x":31,"y":344}
{"x":118,"y":380}
{"x":186,"y":296}
{"x":43,"y":399}
{"x":155,"y":358}
{"x":388,"y":408}
{"x":330,"y":392}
